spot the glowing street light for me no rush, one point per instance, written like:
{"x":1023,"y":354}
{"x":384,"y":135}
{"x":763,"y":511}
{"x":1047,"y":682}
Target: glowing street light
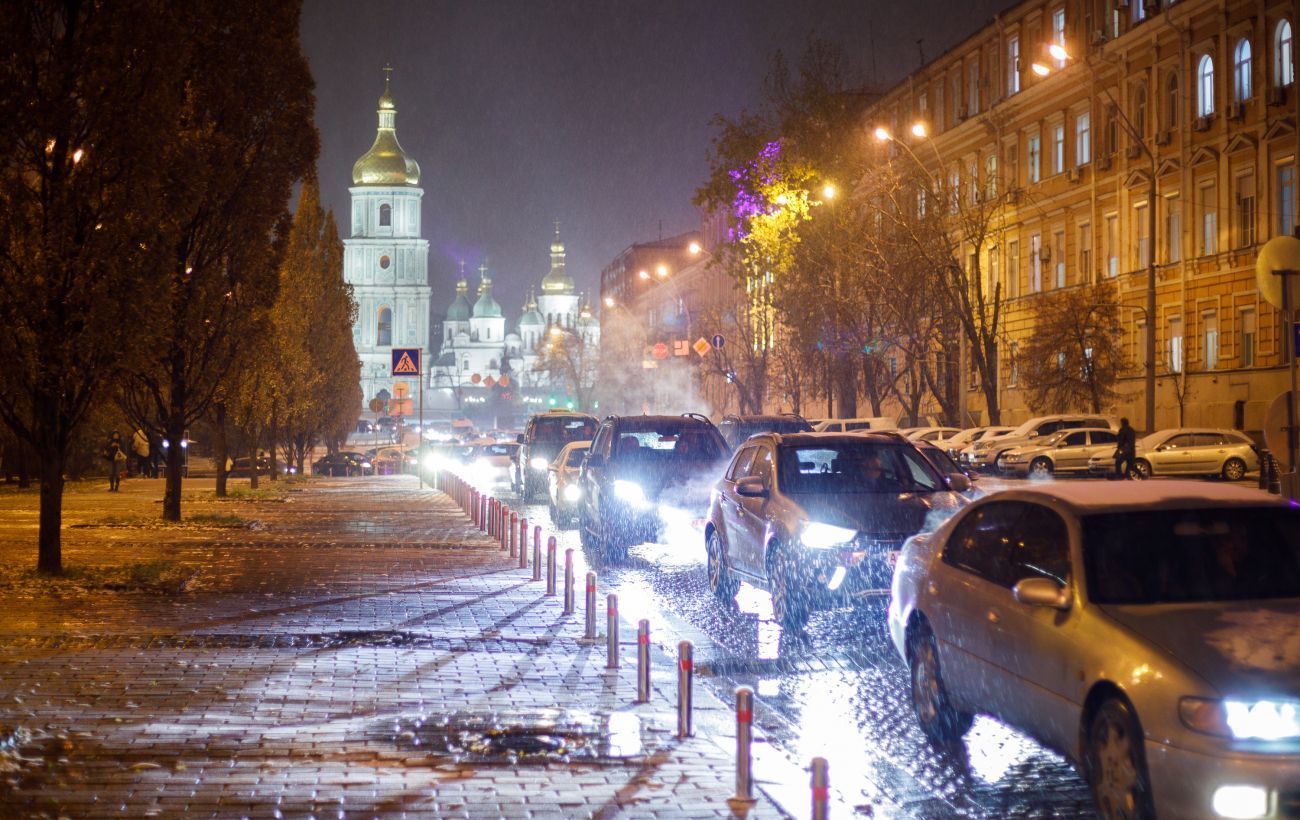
{"x":1040,"y":69}
{"x":694,"y":248}
{"x":661,"y":271}
{"x":828,"y":191}
{"x":1058,"y":52}
{"x":883,"y":134}
{"x":645,"y":274}
{"x":918,"y":130}
{"x":609,"y":301}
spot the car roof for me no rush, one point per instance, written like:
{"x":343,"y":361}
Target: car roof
{"x":1090,"y":497}
{"x":695,"y":420}
{"x":803,"y":439}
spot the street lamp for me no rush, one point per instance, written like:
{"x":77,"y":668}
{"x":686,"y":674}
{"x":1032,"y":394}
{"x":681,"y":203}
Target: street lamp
{"x":1059,"y":54}
{"x":828,"y":191}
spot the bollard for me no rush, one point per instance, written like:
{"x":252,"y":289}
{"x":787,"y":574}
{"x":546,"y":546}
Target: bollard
{"x":568,"y":582}
{"x":821,"y":789}
{"x":550,"y":566}
{"x":685,"y":678}
{"x":744,"y":735}
{"x":491,"y":516}
{"x":1263,"y":468}
{"x":514,"y":532}
{"x":482,"y":511}
{"x":611,"y":631}
{"x":643,"y":661}
{"x":537,"y":560}
{"x":589,"y":630}
{"x":537,"y":540}
{"x":523,"y":543}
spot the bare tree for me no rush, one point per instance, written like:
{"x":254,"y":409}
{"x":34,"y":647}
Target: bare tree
{"x":570,"y":358}
{"x":1074,"y":356}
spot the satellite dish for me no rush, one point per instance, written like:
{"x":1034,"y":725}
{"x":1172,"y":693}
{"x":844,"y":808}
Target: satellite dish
{"x":1275,"y":427}
{"x":1279,"y":253}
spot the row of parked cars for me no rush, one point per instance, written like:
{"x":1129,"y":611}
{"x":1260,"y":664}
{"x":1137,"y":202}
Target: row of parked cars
{"x":1148,"y":632}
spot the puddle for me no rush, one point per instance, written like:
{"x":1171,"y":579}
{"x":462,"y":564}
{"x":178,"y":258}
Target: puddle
{"x":521,"y":736}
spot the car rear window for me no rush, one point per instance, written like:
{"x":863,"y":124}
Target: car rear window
{"x":666,"y":440}
{"x":855,"y":467}
{"x":563,"y":428}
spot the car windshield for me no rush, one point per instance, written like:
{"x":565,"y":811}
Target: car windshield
{"x":1185,"y":556}
{"x":563,"y":429}
{"x":666,"y":441}
{"x":497,"y":450}
{"x":852,"y":467}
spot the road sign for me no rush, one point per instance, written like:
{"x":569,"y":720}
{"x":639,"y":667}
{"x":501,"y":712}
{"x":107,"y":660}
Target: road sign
{"x":376,"y":405}
{"x":702,"y":347}
{"x":1278,"y":254}
{"x":681,"y":347}
{"x":659,"y":351}
{"x":504,"y":381}
{"x":406,"y":361}
{"x":490,"y":382}
{"x":718,"y":341}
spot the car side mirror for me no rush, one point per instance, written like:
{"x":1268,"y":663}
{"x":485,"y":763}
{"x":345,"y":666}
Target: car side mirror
{"x":1162,"y":448}
{"x":751,"y":486}
{"x":1041,"y":592}
{"x":519,"y":439}
{"x":958,"y":482}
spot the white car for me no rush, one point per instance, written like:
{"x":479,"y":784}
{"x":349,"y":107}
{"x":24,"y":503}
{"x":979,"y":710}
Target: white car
{"x":854,"y":425}
{"x":931,"y":434}
{"x":1150,"y":632}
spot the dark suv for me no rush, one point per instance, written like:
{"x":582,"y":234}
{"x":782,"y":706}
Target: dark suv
{"x":735,"y":429}
{"x":541,"y":441}
{"x":639,"y":468}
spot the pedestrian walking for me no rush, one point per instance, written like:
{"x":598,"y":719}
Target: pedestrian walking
{"x":1125,"y":450}
{"x":140,"y":449}
{"x":116,"y":461}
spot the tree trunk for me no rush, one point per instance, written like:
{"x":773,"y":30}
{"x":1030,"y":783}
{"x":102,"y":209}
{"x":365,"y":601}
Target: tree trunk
{"x":220,"y":447}
{"x":252,"y":465}
{"x":174,"y":433}
{"x":50,"y":545}
{"x":846,"y":391}
{"x":275,"y":438}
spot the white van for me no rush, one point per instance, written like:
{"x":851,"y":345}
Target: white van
{"x":851,"y":425}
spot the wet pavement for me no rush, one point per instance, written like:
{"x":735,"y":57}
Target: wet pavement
{"x":836,"y":690}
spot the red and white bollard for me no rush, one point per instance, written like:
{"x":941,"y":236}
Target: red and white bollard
{"x":589,"y":628}
{"x":643,"y":661}
{"x":744,"y":737}
{"x":685,"y":679}
{"x":550,"y":566}
{"x":821,"y":789}
{"x":568,"y":582}
{"x":611,"y":631}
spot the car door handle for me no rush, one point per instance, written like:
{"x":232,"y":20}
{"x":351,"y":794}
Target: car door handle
{"x":993,"y":616}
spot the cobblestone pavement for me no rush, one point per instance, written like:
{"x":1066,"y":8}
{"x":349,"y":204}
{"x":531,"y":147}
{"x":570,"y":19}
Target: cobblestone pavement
{"x":349,"y":648}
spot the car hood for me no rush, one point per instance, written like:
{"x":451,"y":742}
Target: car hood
{"x":900,"y":514}
{"x":1241,"y":649}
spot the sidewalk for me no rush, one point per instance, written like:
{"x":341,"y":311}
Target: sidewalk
{"x":355,"y":647}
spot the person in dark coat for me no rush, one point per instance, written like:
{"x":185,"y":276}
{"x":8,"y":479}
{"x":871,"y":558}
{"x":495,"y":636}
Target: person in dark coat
{"x":1125,"y":450}
{"x":116,"y":461}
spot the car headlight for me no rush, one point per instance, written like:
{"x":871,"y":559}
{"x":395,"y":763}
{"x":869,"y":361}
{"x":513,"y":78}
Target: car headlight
{"x":818,"y":536}
{"x":572,"y":492}
{"x":538,"y":463}
{"x":365,"y":465}
{"x":431,"y":462}
{"x":631,"y":493}
{"x":1242,"y":719}
{"x":1012,"y":458}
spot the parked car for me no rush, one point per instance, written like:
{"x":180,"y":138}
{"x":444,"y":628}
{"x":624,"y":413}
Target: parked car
{"x":1148,"y":634}
{"x":849,"y":425}
{"x":1228,"y":454}
{"x":984,"y":454}
{"x":946,"y":465}
{"x":960,"y":441}
{"x":817,"y":518}
{"x":564,"y":485}
{"x":735,"y":429}
{"x":339,"y":464}
{"x":543,"y":438}
{"x":239,"y":468}
{"x":365,"y":427}
{"x":929,"y":433}
{"x":640,"y":467}
{"x":390,"y":460}
{"x":1065,"y":451}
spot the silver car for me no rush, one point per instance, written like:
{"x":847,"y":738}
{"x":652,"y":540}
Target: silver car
{"x":1229,"y":454}
{"x":564,"y":488}
{"x":1065,"y":451}
{"x":984,"y":454}
{"x":1152,"y":636}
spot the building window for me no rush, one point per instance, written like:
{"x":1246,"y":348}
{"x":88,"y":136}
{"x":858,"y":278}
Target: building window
{"x":1058,"y":257}
{"x":973,"y":89}
{"x":1244,"y":212}
{"x":1035,"y":263}
{"x":972,"y":181}
{"x":957,"y":113}
{"x":384,"y":334}
{"x":1210,"y":327}
{"x":1285,"y":199}
{"x":1085,"y":252}
{"x":938,"y":108}
{"x":1209,"y":221}
{"x":1032,"y":158}
{"x":1014,"y":377}
{"x":994,"y":274}
{"x":991,"y":176}
{"x":1140,"y":110}
{"x":384,"y":262}
{"x":1248,"y":337}
{"x":1139,"y":11}
{"x":1171,"y":101}
{"x":1176,"y":345}
{"x":1205,"y":86}
{"x":385,"y":215}
{"x":1013,"y":66}
{"x":1283,"y":67}
{"x":954,"y":186}
{"x":1241,"y":71}
{"x":1112,"y":245}
{"x":1013,"y":269}
{"x":1058,"y":149}
{"x":1173,"y":229}
{"x":1082,"y":139}
{"x":1112,"y":129}
{"x":1142,"y":235}
{"x":923,"y":107}
{"x":1058,"y":32}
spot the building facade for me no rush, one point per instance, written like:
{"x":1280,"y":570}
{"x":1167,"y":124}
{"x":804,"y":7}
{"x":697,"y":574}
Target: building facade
{"x":1195,"y":96}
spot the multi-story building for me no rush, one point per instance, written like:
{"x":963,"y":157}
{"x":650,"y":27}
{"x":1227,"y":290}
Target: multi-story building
{"x":1199,"y":94}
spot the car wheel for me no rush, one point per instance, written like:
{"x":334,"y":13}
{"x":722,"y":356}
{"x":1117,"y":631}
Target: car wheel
{"x":1040,"y":468}
{"x":1117,"y":770}
{"x":1234,"y":469}
{"x":721,"y":582}
{"x":940,"y":721}
{"x":1143,"y":468}
{"x":788,"y":607}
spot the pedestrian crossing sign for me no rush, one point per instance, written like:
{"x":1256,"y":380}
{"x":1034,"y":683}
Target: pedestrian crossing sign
{"x":406,"y":361}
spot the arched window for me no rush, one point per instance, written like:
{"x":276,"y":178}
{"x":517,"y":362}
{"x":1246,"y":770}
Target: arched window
{"x":1205,"y":86}
{"x":1241,"y":71}
{"x":384,"y":338}
{"x":1171,"y":101}
{"x":1112,"y":129}
{"x":1283,"y":66}
{"x":1140,"y":110}
{"x":385,"y":215}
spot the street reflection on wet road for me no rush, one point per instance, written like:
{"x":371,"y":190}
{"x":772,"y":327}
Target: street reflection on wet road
{"x":836,"y":690}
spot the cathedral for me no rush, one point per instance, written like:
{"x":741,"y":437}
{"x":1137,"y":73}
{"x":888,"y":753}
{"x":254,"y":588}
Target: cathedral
{"x":474,"y":359}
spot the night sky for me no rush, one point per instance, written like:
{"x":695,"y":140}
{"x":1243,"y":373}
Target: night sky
{"x":596,"y":114}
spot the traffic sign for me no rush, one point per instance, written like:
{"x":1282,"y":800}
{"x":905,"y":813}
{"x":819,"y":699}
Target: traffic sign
{"x":659,"y":351}
{"x":702,"y":347}
{"x":681,"y":347}
{"x":490,"y":382}
{"x":1281,"y":253}
{"x":406,"y":361}
{"x":718,"y":340}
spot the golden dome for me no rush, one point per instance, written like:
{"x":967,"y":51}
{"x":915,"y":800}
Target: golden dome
{"x":386,"y":163}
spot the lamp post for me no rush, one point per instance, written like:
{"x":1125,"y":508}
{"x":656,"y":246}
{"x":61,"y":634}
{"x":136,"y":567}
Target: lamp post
{"x":1061,"y":56}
